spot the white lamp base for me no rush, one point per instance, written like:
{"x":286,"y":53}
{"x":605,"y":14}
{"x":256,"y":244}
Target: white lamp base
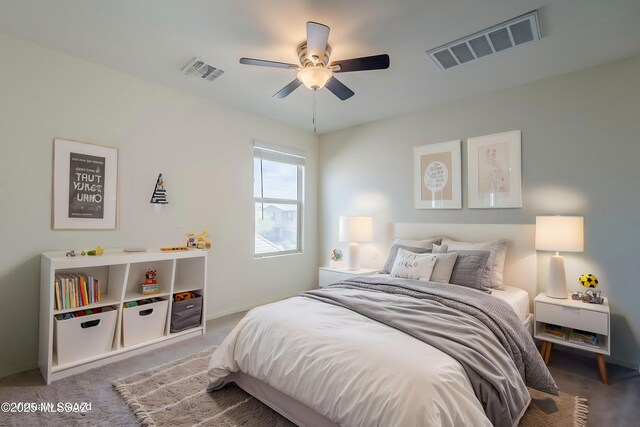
{"x":354,"y":256}
{"x":557,"y":283}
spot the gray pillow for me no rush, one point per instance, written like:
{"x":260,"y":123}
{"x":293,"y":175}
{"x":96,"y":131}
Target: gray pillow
{"x":393,"y":253}
{"x":472,"y":270}
{"x":444,"y":267}
{"x":440,"y":249}
{"x":498,"y":249}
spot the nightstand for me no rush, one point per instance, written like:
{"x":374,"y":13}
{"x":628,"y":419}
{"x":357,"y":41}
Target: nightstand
{"x":571,"y":314}
{"x":327,"y":276}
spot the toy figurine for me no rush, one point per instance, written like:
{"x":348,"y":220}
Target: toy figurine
{"x":83,"y":253}
{"x":150,"y":284}
{"x":150,"y":277}
{"x":96,"y":252}
{"x":71,"y":253}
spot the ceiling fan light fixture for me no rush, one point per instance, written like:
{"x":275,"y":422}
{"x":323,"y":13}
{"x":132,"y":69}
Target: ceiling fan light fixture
{"x":314,"y":77}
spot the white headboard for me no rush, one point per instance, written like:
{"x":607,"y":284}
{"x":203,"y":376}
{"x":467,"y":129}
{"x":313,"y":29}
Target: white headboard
{"x":520,"y":269}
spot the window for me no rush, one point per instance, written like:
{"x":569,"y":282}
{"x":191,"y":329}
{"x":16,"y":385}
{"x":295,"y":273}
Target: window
{"x":278,"y":184}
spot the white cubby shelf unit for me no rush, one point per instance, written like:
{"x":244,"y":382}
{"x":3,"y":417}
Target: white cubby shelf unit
{"x":120,"y":275}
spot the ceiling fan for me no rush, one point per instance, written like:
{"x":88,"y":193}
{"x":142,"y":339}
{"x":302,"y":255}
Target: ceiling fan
{"x":314,"y":70}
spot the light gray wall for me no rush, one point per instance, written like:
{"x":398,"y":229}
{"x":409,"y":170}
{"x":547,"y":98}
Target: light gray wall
{"x":580,"y":155}
{"x":204,"y":150}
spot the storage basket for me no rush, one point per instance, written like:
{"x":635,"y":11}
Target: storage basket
{"x":144,"y":322}
{"x":186,"y":314}
{"x":85,"y":336}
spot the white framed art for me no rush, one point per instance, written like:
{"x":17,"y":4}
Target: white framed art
{"x":85,"y":180}
{"x":437,"y":176}
{"x":494,"y":170}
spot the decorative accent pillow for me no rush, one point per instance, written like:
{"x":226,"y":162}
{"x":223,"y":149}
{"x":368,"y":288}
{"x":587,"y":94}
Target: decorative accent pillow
{"x":472,"y":270}
{"x":393,"y":253}
{"x":410,"y":265}
{"x":498,"y":249}
{"x":444,"y":267}
{"x":417,"y":246}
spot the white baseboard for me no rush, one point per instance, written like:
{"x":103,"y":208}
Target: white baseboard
{"x":5,"y":371}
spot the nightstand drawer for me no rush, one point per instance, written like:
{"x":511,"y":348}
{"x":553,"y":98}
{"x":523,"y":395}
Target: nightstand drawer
{"x":572,"y":317}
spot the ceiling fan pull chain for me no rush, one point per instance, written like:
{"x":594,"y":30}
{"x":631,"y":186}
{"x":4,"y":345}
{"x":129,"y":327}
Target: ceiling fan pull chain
{"x":314,"y":111}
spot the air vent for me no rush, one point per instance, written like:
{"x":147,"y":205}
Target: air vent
{"x":506,"y":35}
{"x":199,"y":68}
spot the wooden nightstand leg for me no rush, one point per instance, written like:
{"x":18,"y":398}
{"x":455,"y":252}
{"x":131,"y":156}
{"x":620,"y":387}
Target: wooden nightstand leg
{"x":543,"y":349}
{"x":603,"y":368}
{"x":547,"y":355}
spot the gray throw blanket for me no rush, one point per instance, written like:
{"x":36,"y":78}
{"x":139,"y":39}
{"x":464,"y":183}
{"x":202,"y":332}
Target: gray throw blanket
{"x":479,"y":331}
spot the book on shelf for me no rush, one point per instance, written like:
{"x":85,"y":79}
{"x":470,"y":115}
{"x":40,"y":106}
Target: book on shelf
{"x":554,"y":330}
{"x":150,"y":288}
{"x":73,"y":290}
{"x":583,"y":337}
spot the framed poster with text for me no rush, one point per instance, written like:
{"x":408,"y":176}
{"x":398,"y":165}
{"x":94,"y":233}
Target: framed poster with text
{"x":85,"y":180}
{"x":437,"y":176}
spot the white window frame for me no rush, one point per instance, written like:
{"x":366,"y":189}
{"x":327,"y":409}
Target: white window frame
{"x":279,"y":154}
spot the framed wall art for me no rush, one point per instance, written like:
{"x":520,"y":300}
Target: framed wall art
{"x":85,"y":180}
{"x":437,"y":176}
{"x":494,"y":170}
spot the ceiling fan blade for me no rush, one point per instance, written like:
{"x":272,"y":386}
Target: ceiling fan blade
{"x":317,"y":38}
{"x":288,"y":89}
{"x":376,"y":62}
{"x":265,"y":63}
{"x":339,"y":89}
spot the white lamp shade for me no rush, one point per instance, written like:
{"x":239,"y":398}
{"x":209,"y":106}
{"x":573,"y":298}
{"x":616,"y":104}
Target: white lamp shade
{"x":355,"y":229}
{"x":560,"y":233}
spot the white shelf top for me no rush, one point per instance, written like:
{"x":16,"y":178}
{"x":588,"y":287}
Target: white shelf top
{"x":119,"y":256}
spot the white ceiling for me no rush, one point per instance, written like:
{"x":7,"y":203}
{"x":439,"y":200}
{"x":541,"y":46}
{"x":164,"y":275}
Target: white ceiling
{"x":154,"y":39}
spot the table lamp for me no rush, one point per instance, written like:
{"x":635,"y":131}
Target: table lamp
{"x":559,"y":234}
{"x":355,"y":230}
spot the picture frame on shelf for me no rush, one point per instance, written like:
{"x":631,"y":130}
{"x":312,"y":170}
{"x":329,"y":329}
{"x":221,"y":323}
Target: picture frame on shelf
{"x":85,"y":181}
{"x":438,"y":176}
{"x":495,"y":170}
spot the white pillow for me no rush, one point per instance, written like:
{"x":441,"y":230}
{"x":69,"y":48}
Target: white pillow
{"x":498,"y":249}
{"x":410,"y":265}
{"x":444,"y":267}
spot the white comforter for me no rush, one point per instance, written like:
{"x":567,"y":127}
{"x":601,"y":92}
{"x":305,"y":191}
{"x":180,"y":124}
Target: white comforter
{"x":353,"y":370}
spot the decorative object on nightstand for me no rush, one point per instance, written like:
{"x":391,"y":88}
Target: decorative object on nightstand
{"x":336,"y":258}
{"x":355,"y":230}
{"x":575,"y":324}
{"x":559,"y":233}
{"x":327,"y":276}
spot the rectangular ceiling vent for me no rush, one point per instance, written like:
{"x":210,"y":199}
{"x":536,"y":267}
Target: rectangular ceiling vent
{"x":200,"y":68}
{"x":506,"y":35}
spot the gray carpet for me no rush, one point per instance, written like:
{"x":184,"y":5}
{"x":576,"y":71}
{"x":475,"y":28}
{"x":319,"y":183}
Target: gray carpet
{"x":95,"y":386}
{"x":613,"y":405}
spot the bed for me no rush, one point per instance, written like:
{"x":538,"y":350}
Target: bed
{"x":370,"y":352}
